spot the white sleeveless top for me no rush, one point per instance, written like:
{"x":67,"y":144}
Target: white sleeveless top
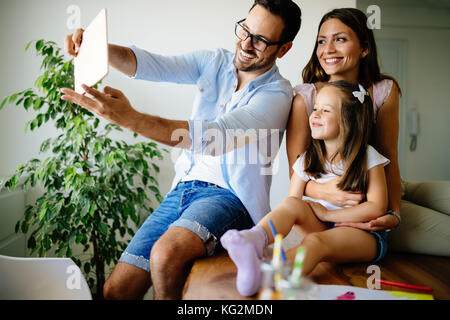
{"x":381,"y":91}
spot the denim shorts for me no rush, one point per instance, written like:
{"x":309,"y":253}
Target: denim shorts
{"x":381,"y":238}
{"x":201,"y":207}
{"x":382,"y":245}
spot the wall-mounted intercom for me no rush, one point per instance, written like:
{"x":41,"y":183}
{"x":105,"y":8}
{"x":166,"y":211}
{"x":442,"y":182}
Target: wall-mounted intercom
{"x":413,"y":128}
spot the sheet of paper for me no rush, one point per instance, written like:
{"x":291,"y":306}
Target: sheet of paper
{"x":91,"y":63}
{"x":337,"y":292}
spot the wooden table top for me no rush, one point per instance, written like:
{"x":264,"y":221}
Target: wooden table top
{"x":214,"y":278}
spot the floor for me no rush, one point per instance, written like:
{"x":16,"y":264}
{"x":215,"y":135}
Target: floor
{"x":213,"y":278}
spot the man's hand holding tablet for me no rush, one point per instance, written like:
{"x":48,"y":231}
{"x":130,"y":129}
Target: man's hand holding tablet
{"x":90,"y":49}
{"x":112,"y":104}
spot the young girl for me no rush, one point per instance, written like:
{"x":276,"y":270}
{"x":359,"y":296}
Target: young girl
{"x":341,"y":125}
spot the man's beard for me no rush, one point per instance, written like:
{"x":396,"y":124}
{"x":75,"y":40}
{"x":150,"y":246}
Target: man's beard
{"x":257,"y":65}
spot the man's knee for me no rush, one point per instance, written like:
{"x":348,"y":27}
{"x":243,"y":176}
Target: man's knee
{"x":160,"y":255}
{"x":126,"y":282}
{"x":111,"y":291}
{"x":176,"y":247}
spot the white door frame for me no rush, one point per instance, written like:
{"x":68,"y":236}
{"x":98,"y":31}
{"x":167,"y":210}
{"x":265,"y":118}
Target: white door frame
{"x":399,"y":48}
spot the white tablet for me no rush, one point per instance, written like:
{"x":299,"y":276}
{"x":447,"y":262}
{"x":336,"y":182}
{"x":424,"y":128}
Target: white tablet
{"x":91,"y":62}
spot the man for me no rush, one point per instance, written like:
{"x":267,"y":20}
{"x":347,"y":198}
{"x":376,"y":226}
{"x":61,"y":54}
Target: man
{"x":212,"y":191}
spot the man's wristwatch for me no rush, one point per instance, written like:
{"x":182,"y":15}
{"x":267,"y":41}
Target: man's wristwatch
{"x":394,"y":213}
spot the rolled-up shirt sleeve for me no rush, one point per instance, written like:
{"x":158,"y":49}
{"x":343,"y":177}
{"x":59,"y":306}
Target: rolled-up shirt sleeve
{"x":265,"y":114}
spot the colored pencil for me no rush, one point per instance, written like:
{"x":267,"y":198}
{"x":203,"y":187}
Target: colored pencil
{"x":274,"y":233}
{"x":404,"y":285}
{"x":272,"y":227}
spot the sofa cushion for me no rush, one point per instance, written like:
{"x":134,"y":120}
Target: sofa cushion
{"x":423,"y":231}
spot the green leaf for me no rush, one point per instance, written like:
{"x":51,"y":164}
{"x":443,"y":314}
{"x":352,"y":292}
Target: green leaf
{"x":5,"y":99}
{"x":33,"y":124}
{"x":66,"y":65}
{"x":47,"y":243}
{"x":85,"y":209}
{"x":13,"y":98}
{"x":155,"y":167}
{"x":42,"y":213}
{"x":39,"y":45}
{"x":126,"y":212}
{"x":28,"y":92}
{"x":103,"y":228}
{"x":27,"y":103}
{"x":48,"y":51}
{"x":45,"y":145}
{"x":14,"y":181}
{"x":24,"y":226}
{"x":28,"y":212}
{"x":31,"y":244}
{"x":37,"y":104}
{"x":111,"y":159}
{"x":17,"y":227}
{"x":154,"y":189}
{"x":139,"y":165}
{"x":121,"y":155}
{"x":19,"y":101}
{"x":58,"y":207}
{"x":72,"y":238}
{"x":87,"y":267}
{"x":28,"y":45}
{"x":133,"y":216}
{"x":92,"y":209}
{"x":40,"y":119}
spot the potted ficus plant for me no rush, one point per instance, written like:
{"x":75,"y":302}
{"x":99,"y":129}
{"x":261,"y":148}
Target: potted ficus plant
{"x":93,"y":186}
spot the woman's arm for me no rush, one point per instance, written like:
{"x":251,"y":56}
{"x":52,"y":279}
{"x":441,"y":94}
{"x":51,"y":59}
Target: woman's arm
{"x":298,"y":132}
{"x":387,"y":129}
{"x":374,"y":207}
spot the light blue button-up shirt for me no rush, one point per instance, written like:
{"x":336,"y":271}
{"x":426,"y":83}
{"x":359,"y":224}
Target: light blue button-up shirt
{"x":262,"y":110}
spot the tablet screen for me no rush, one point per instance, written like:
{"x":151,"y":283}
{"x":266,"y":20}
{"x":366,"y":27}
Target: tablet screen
{"x":91,"y":62}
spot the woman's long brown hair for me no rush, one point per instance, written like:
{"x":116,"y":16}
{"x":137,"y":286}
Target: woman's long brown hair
{"x":369,"y":71}
{"x":356,"y":125}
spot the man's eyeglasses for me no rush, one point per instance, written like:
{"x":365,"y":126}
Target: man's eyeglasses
{"x":258,"y":43}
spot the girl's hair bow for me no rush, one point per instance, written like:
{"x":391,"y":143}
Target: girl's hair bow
{"x":360,"y":94}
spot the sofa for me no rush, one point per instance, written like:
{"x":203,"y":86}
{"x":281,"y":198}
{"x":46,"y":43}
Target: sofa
{"x":425,"y":227}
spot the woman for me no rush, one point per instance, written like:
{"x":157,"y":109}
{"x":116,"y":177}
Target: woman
{"x":346,"y":50}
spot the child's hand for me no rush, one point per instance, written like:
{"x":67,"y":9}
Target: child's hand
{"x":319,"y":210}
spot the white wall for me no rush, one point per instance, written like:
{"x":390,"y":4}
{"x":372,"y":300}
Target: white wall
{"x":426,"y":29}
{"x":166,"y":27}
